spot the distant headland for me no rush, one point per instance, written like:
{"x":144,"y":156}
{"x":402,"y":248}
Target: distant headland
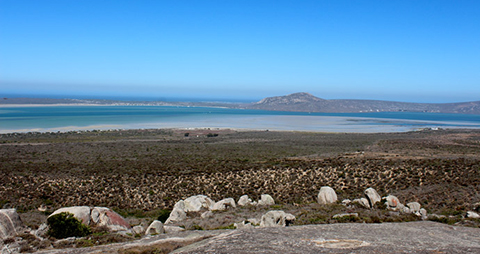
{"x":298,"y":102}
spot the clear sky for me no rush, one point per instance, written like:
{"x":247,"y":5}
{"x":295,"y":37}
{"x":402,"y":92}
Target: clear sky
{"x":417,"y":51}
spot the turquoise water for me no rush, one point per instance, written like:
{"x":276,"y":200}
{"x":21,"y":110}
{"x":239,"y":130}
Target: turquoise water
{"x":63,"y":118}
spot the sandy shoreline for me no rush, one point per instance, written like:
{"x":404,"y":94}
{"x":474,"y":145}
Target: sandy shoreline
{"x":329,"y":124}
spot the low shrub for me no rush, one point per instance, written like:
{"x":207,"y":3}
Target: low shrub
{"x":65,"y":225}
{"x":346,"y":219}
{"x":231,"y":226}
{"x":197,"y":227}
{"x":163,"y":215}
{"x":445,"y":220}
{"x":381,"y":205}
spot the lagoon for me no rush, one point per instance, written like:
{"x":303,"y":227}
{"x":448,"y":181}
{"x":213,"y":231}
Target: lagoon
{"x":67,"y":118}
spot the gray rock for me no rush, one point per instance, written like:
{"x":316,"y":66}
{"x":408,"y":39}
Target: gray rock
{"x":244,"y":200}
{"x":172,"y":229}
{"x":178,"y":213}
{"x":406,"y":210}
{"x":138,"y":229}
{"x":207,"y":214}
{"x":80,"y":212}
{"x":346,"y":202}
{"x":276,"y":219}
{"x":393,"y":203}
{"x":197,"y":203}
{"x":473,"y":215}
{"x":9,"y":248}
{"x":372,"y":196}
{"x":243,"y":225}
{"x":10,"y":223}
{"x":423,"y":213}
{"x":103,"y":216}
{"x":345,"y":215}
{"x":361,"y":238}
{"x":224,"y":204}
{"x":266,"y":199}
{"x":156,"y":227}
{"x":414,"y":207}
{"x":326,"y":195}
{"x":95,"y":214}
{"x":362,"y":201}
{"x":41,"y":231}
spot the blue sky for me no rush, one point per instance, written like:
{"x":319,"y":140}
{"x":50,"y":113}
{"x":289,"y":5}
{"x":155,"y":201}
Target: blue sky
{"x":417,"y":51}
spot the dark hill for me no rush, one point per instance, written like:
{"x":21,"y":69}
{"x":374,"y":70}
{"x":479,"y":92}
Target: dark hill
{"x":305,"y":102}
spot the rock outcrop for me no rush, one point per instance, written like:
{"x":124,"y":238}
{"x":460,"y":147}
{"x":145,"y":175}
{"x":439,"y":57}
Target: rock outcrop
{"x":197,"y":203}
{"x":178,"y":213}
{"x":80,"y":212}
{"x":192,"y":204}
{"x":138,"y":229}
{"x":10,"y":223}
{"x":172,"y":229}
{"x":276,"y":219}
{"x":422,"y":213}
{"x":103,"y":216}
{"x":245,"y":200}
{"x":97,"y":216}
{"x":326,"y":195}
{"x":372,"y":196}
{"x":362,"y":201}
{"x":473,"y":215}
{"x":393,"y":203}
{"x":243,"y":225}
{"x":224,"y":204}
{"x":266,"y":199}
{"x":156,"y":227}
{"x":414,"y":207}
{"x":207,"y":214}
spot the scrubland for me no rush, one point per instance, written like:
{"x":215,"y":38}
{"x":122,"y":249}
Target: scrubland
{"x":142,"y":172}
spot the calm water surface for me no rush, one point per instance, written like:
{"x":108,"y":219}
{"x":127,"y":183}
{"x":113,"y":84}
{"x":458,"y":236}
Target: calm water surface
{"x":63,"y":118}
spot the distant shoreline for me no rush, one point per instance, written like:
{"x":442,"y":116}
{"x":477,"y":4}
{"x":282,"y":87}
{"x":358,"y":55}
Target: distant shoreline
{"x":52,"y":105}
{"x":102,"y":105}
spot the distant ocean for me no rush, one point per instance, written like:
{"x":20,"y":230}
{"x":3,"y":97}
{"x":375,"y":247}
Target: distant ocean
{"x":66,"y":118}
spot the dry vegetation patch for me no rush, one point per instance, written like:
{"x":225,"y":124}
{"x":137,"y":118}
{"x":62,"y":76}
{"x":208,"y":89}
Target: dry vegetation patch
{"x":149,"y":170}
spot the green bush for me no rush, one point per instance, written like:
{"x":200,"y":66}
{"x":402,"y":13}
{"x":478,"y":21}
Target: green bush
{"x":163,"y":215}
{"x":346,"y":219}
{"x":382,"y":205}
{"x":65,"y":225}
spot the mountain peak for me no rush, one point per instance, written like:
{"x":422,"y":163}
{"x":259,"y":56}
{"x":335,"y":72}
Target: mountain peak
{"x":293,"y":98}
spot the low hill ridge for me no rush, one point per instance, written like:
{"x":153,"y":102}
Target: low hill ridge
{"x":291,"y":98}
{"x":305,"y":102}
{"x":299,"y":102}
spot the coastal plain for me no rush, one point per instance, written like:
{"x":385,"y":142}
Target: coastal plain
{"x":152,"y":169}
{"x":142,"y":173}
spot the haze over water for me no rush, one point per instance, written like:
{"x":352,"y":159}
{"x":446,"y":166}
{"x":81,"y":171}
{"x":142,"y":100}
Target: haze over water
{"x":66,"y":118}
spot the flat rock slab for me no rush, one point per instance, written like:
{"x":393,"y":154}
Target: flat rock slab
{"x":412,"y":237}
{"x":409,"y":237}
